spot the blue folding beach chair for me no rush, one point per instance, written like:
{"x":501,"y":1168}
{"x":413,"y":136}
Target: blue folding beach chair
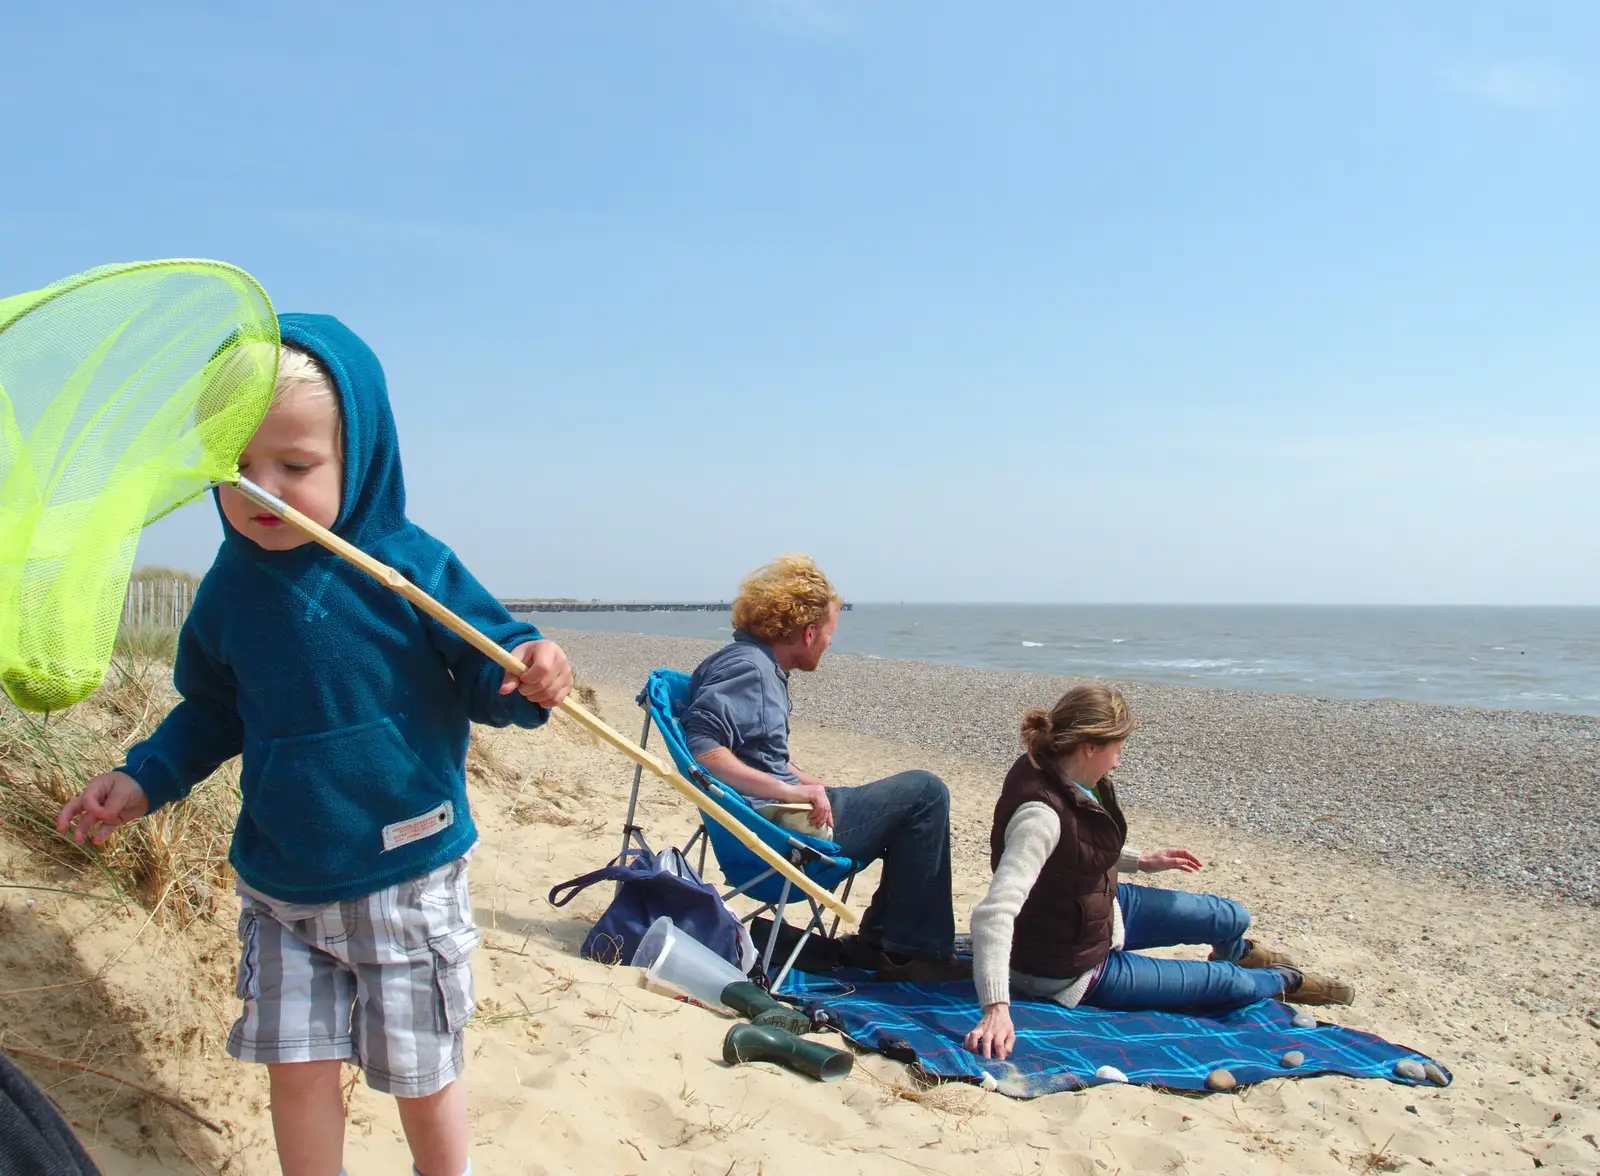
{"x":664,"y":698}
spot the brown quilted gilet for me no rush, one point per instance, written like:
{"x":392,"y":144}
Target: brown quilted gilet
{"x":1064,"y":927}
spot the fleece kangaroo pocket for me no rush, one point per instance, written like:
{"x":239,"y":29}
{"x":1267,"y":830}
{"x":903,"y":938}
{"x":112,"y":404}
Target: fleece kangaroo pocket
{"x":320,"y":802}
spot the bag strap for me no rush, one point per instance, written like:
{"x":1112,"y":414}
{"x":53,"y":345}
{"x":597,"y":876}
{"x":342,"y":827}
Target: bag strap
{"x":612,"y":871}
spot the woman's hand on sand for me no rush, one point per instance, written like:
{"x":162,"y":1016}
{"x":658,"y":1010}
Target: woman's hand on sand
{"x":816,"y":795}
{"x":993,"y":1037}
{"x":108,"y":801}
{"x":548,"y":678}
{"x":1168,"y":859}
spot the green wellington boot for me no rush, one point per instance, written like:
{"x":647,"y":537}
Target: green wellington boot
{"x":748,"y":1000}
{"x":764,"y":1043}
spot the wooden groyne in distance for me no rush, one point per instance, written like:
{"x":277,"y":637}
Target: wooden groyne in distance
{"x":559,"y":606}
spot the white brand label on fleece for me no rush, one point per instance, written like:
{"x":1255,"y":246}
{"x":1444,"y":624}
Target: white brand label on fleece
{"x":431,"y":822}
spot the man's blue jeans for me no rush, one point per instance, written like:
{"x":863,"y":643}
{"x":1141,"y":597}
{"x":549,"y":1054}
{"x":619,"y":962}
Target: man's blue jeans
{"x":1155,"y":917}
{"x":905,"y":820}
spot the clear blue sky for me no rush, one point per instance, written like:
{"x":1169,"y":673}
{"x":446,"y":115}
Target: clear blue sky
{"x":1044,"y":301}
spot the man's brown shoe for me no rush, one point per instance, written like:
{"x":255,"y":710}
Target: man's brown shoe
{"x":1321,"y":990}
{"x":1261,"y":957}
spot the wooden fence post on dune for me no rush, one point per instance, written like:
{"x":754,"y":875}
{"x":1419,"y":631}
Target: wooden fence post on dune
{"x":157,"y":604}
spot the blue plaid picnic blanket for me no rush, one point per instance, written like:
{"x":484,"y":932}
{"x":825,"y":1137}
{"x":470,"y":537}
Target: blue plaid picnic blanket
{"x":1060,"y":1048}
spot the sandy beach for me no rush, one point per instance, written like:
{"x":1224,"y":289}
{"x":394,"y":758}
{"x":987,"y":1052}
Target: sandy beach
{"x":1442,"y":860}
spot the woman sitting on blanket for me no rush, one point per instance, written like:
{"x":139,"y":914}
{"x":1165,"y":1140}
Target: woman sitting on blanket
{"x":1057,"y":925}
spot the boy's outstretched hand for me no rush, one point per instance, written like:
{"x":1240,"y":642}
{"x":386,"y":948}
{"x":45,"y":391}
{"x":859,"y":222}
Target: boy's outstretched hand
{"x":548,"y":678}
{"x":106,"y":802}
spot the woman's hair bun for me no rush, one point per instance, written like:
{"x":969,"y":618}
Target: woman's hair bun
{"x":1036,"y":733}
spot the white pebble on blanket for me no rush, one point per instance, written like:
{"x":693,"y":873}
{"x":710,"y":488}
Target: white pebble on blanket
{"x":1304,"y":1020}
{"x":1292,"y":1059}
{"x":1406,"y":1068}
{"x":1110,"y":1074}
{"x":987,"y":1082}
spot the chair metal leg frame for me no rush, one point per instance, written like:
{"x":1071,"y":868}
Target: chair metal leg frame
{"x":779,"y":909}
{"x":737,"y":891}
{"x":817,"y":911}
{"x":688,"y":848}
{"x":812,"y":924}
{"x":764,"y":908}
{"x":777,"y":921}
{"x":630,"y":831}
{"x":776,"y":909}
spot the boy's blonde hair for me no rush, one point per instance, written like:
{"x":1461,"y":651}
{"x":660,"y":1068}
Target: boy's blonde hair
{"x":300,"y":371}
{"x":780,"y":599}
{"x":301,"y":374}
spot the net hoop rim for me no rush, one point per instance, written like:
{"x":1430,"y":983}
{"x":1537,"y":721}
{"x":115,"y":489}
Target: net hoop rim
{"x":235,"y":275}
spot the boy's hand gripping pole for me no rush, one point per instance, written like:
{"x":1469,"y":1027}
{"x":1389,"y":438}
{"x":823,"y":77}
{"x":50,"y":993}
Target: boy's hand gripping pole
{"x":390,"y":578}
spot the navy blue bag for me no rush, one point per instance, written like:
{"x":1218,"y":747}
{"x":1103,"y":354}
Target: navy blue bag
{"x":651,"y":885}
{"x":33,"y":1136}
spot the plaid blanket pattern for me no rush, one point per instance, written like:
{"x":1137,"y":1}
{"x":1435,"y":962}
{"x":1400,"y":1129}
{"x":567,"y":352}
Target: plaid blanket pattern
{"x":1060,"y":1048}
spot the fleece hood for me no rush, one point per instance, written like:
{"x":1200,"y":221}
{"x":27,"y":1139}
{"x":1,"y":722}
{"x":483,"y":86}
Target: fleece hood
{"x":372,"y":501}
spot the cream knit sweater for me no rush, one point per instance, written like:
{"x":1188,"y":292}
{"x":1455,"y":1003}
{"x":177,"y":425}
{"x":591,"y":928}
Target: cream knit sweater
{"x":1031,"y":837}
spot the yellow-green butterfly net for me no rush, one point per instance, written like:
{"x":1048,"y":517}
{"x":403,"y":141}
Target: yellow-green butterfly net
{"x":124,"y":392}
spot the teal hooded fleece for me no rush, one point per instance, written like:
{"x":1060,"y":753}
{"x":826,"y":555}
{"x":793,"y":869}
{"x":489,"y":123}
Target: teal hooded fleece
{"x":350,"y":708}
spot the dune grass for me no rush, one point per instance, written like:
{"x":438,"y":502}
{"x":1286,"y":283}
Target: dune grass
{"x":174,"y":863}
{"x":146,"y":643}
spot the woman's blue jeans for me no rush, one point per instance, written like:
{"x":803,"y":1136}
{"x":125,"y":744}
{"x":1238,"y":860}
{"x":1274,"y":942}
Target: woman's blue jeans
{"x":1156,"y":917}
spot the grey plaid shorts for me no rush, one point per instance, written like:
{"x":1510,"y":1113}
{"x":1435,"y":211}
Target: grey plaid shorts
{"x":384,"y":980}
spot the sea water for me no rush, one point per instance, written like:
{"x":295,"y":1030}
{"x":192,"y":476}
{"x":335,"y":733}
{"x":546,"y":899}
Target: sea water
{"x":1544,"y":659}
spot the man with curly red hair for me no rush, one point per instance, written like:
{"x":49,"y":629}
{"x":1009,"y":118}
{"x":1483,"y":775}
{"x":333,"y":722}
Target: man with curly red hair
{"x":737,"y":725}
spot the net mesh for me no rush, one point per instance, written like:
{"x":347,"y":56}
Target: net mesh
{"x":124,"y":392}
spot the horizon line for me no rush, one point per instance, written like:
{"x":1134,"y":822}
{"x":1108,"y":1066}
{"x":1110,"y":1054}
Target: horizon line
{"x":857,"y":603}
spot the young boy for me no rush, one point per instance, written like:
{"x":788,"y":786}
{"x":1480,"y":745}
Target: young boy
{"x":351,"y":710}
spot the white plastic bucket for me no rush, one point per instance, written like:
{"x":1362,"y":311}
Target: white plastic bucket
{"x":678,"y":963}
